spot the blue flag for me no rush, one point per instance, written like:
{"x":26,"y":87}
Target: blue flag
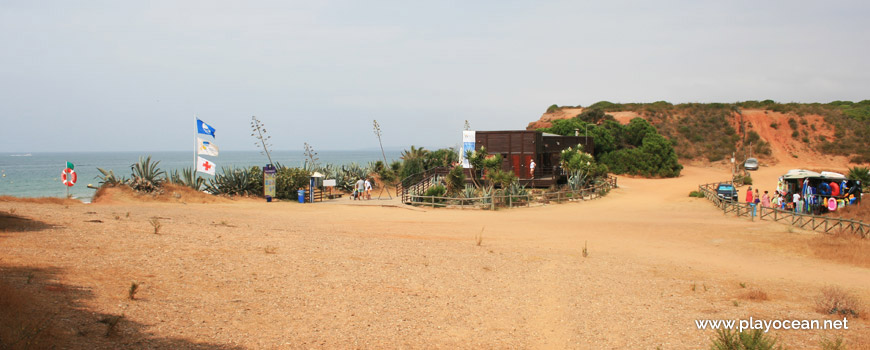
{"x":204,"y":128}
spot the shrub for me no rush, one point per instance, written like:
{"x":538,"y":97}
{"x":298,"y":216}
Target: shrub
{"x":752,"y":340}
{"x":860,"y":173}
{"x":412,"y":166}
{"x":436,"y":191}
{"x":792,"y":123}
{"x":774,"y":125}
{"x":553,"y":108}
{"x":237,"y":181}
{"x":836,"y":301}
{"x":289,"y":180}
{"x":696,"y":194}
{"x":456,"y":180}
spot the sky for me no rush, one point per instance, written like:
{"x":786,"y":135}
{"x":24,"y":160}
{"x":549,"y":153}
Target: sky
{"x":132,"y":75}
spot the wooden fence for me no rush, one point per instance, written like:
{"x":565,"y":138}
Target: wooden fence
{"x":817,"y":223}
{"x":500,"y":199}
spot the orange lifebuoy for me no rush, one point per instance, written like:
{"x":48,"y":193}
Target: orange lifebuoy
{"x":68,"y":177}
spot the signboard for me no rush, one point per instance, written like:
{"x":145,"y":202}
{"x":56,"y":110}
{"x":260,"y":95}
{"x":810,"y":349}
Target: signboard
{"x":329,"y":183}
{"x":468,"y":140}
{"x":269,"y":173}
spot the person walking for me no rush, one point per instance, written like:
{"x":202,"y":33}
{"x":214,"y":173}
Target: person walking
{"x":359,"y":188}
{"x":750,"y":199}
{"x":368,"y":187}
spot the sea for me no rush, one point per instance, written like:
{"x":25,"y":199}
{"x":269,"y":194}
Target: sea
{"x":39,"y":174}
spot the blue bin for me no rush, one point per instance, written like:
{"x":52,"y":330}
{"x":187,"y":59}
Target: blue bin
{"x":301,"y":196}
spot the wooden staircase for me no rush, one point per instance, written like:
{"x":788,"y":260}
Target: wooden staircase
{"x":418,"y":183}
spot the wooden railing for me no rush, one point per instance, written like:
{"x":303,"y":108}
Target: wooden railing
{"x":501,"y":199}
{"x":817,"y":223}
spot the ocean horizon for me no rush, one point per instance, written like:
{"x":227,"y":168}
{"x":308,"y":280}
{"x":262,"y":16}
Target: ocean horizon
{"x":38,"y":174}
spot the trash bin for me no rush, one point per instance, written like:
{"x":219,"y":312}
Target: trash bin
{"x":301,"y":196}
{"x":268,"y":199}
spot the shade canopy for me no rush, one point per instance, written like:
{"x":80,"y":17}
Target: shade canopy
{"x":800,"y":174}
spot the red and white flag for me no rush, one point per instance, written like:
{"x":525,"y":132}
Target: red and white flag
{"x":205,"y":166}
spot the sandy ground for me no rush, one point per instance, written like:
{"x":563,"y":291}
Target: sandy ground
{"x":246,"y":274}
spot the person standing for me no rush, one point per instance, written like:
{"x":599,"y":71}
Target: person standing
{"x":368,"y":187}
{"x":532,"y":168}
{"x":750,"y":199}
{"x":796,"y":198}
{"x":765,"y":200}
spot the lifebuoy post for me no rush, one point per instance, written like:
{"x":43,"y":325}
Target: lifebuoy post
{"x":68,"y":177}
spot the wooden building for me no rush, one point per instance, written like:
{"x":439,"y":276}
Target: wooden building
{"x":519,"y":147}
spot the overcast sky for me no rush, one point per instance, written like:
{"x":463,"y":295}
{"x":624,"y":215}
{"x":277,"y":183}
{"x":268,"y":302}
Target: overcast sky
{"x":130,"y":75}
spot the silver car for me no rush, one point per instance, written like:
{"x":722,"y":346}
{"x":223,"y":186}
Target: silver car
{"x":751,"y":164}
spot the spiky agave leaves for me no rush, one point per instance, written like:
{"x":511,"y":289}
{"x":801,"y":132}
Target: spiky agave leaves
{"x":233,"y":181}
{"x":187,"y":178}
{"x":146,"y":175}
{"x":109,"y":178}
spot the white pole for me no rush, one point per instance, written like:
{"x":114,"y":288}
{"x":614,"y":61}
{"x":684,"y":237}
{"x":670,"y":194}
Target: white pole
{"x":195,"y":126}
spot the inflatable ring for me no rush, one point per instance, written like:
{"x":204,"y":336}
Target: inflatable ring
{"x":68,"y":177}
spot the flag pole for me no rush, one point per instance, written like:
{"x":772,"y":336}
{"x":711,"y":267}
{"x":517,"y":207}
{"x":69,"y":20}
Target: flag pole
{"x":195,"y":126}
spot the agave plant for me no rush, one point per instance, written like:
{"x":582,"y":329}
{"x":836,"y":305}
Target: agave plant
{"x":517,"y":190}
{"x":577,"y":180}
{"x":233,"y":181}
{"x":108,"y":177}
{"x":187,"y":178}
{"x":469,"y":192}
{"x":486,"y":193}
{"x":146,"y":176}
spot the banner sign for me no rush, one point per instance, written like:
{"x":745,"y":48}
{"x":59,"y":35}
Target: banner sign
{"x":468,"y":140}
{"x":329,"y":183}
{"x":269,"y":173}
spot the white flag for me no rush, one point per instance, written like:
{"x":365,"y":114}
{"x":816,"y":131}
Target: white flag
{"x":205,"y":166}
{"x":206,"y":147}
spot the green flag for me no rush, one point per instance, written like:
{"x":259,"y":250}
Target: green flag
{"x":70,"y":166}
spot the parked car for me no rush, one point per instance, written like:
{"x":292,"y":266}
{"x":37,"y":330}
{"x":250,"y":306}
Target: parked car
{"x":751,"y":164}
{"x":726,"y":192}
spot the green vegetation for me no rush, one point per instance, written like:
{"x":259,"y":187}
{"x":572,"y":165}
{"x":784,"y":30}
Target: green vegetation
{"x":689,"y":127}
{"x":696,"y":194}
{"x":187,"y":178}
{"x":860,"y":173}
{"x":752,"y":340}
{"x":636,"y":148}
{"x":146,"y":176}
{"x":456,"y":180}
{"x":236,"y":181}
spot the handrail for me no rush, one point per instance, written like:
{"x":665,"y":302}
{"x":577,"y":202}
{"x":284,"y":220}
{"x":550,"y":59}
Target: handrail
{"x":503,"y":199}
{"x":800,"y":220}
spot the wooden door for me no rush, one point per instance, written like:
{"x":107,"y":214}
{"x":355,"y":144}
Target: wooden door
{"x":517,"y":165}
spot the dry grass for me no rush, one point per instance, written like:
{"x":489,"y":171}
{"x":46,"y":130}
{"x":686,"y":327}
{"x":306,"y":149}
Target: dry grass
{"x":478,"y":239}
{"x":155,"y":223}
{"x":854,"y":212}
{"x":756,"y":294}
{"x":39,"y":200}
{"x":131,"y":293}
{"x":842,"y":247}
{"x":834,"y":300}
